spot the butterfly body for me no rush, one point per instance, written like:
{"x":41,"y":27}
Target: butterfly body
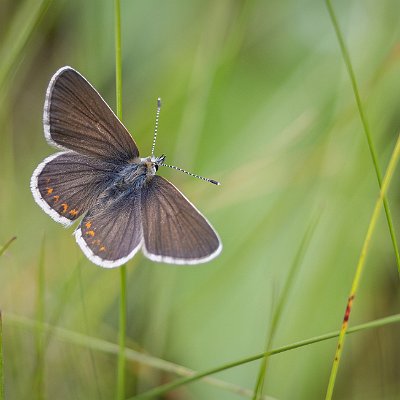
{"x":134,"y":175}
{"x":129,"y":180}
{"x":100,"y":178}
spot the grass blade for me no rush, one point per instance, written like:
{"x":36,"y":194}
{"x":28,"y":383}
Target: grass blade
{"x":1,"y":359}
{"x":154,"y":362}
{"x":360,"y":267}
{"x":184,"y":381}
{"x":40,"y":316}
{"x":347,"y":61}
{"x":281,"y":303}
{"x":122,"y":306}
{"x":122,"y":337}
{"x":5,"y":247}
{"x":104,"y":346}
{"x":24,"y":24}
{"x":86,"y":322}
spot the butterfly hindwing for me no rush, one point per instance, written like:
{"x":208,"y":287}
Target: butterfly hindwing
{"x":174,"y":231}
{"x":66,"y":184}
{"x":77,"y":118}
{"x":111,"y":232}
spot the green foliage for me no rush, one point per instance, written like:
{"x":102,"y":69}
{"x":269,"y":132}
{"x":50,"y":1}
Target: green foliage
{"x":256,"y":95}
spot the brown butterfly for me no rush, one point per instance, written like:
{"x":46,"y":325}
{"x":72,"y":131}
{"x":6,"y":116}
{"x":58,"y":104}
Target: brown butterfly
{"x":100,"y":178}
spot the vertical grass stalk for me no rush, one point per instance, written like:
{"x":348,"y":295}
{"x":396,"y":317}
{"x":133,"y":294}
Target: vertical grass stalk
{"x":122,"y":337}
{"x":86,"y":322}
{"x":40,"y":315}
{"x":360,"y":267}
{"x":122,"y":304}
{"x":1,"y":359}
{"x":304,"y":244}
{"x":347,"y":61}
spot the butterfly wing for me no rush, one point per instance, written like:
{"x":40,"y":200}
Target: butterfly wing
{"x":77,"y":118}
{"x":66,"y":184}
{"x":111,"y":232}
{"x":174,"y":231}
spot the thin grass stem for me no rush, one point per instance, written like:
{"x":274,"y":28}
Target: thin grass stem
{"x":350,"y":70}
{"x":118,"y":58}
{"x":122,"y":337}
{"x":63,"y":303}
{"x":5,"y":247}
{"x":18,"y":36}
{"x":122,"y":304}
{"x":104,"y":346}
{"x":1,"y":359}
{"x":86,"y":322}
{"x":360,"y":267}
{"x":184,"y":381}
{"x":40,"y":316}
{"x":298,"y":259}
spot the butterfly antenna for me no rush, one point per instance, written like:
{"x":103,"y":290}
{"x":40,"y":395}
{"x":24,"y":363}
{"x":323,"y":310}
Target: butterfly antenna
{"x":191,"y":174}
{"x":156,"y":127}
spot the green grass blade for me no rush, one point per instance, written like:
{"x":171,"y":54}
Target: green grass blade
{"x":154,"y":362}
{"x":305,"y":242}
{"x":347,"y":61}
{"x":118,"y":58}
{"x":63,"y":302}
{"x":5,"y":247}
{"x":1,"y":359}
{"x":86,"y":322}
{"x":29,"y":15}
{"x":40,"y":316}
{"x":122,"y":337}
{"x":360,"y":267}
{"x":122,"y":306}
{"x":184,"y":381}
{"x":103,"y":346}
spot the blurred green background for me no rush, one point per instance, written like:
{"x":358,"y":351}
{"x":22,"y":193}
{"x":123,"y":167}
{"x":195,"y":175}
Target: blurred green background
{"x":255,"y":94}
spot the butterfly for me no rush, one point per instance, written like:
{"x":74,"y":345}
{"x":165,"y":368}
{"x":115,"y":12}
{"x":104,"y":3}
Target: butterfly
{"x":100,"y":179}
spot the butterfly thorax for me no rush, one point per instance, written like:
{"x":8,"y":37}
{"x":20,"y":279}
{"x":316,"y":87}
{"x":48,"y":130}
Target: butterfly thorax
{"x":135,"y":174}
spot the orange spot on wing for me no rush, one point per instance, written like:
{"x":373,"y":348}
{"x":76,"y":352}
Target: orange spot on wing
{"x":102,"y":248}
{"x":73,"y":212}
{"x":49,"y":190}
{"x":88,"y":224}
{"x":56,"y":198}
{"x":65,"y":207}
{"x":90,"y":233}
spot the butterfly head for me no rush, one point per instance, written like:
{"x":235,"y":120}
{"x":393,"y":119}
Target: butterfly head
{"x":152,"y":163}
{"x":158,"y":161}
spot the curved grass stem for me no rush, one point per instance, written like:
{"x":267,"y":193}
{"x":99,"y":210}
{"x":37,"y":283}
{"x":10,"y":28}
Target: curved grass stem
{"x":200,"y":375}
{"x":21,"y":31}
{"x":360,"y":267}
{"x":367,"y":131}
{"x":5,"y":247}
{"x":89,"y":342}
{"x":298,"y":259}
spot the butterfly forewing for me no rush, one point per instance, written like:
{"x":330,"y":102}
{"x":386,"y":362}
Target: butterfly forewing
{"x":111,"y":232}
{"x":77,"y":118}
{"x":66,"y":184}
{"x":174,"y":231}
